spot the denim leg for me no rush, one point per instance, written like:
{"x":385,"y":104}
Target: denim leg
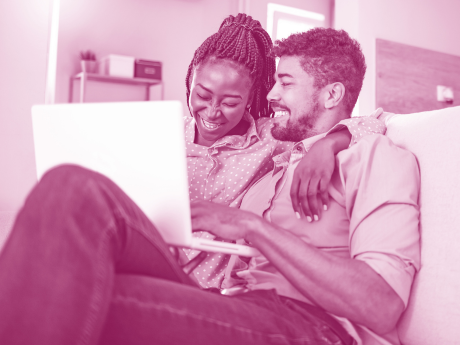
{"x":63,"y":279}
{"x":146,"y":310}
{"x":74,"y":232}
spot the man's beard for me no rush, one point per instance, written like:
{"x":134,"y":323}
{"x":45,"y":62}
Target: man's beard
{"x":299,"y":130}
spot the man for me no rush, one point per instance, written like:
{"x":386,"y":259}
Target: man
{"x":84,"y":265}
{"x":358,"y":262}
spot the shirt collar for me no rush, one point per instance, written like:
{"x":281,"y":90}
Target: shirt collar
{"x":299,"y":149}
{"x":308,"y":143}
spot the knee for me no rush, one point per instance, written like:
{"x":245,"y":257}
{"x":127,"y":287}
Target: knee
{"x":66,"y":171}
{"x":66,"y":176}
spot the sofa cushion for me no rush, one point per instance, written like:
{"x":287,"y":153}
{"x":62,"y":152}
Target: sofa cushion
{"x":433,"y":313}
{"x":6,"y":223}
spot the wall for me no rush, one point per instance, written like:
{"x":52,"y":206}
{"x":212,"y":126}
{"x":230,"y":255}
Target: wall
{"x":426,"y":24}
{"x":23,"y":40}
{"x":407,"y":77}
{"x":167,"y":31}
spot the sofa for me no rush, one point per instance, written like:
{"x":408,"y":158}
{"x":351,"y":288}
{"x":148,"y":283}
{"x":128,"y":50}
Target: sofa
{"x":433,"y":313}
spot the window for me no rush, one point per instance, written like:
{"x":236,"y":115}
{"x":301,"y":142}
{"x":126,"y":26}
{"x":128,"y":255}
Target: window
{"x":283,"y":21}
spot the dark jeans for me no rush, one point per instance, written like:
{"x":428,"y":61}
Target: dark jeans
{"x":83,"y":265}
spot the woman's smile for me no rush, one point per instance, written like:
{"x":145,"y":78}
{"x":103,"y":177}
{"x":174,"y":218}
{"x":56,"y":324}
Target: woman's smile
{"x":210,"y":125}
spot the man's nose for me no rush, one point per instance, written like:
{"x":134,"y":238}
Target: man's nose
{"x":273,"y":95}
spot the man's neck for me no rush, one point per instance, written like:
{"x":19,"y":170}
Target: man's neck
{"x":329,"y":119}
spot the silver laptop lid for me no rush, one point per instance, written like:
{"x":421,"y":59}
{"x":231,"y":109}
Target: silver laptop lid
{"x":139,"y":145}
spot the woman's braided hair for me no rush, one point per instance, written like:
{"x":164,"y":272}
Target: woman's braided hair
{"x":243,"y":40}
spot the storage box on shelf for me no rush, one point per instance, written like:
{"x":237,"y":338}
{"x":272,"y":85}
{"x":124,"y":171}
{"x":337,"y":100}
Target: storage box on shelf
{"x":147,"y":69}
{"x":117,"y":66}
{"x":121,"y":70}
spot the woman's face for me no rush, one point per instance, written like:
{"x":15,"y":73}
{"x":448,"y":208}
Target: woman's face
{"x":219,"y":95}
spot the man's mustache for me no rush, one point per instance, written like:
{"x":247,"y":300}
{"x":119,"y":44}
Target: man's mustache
{"x":277,"y":105}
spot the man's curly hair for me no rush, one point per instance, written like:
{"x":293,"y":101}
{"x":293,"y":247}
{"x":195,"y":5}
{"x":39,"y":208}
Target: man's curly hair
{"x":329,"y":56}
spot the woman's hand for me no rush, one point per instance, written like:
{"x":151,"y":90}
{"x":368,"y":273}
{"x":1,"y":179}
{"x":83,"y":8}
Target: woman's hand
{"x":312,"y":176}
{"x":382,"y":115}
{"x":309,"y":189}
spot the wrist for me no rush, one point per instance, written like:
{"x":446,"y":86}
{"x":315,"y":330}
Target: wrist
{"x":337,"y":141}
{"x":254,"y":229}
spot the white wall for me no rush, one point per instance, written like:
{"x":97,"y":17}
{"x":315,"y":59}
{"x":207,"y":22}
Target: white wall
{"x":23,"y":44}
{"x":166,"y":31}
{"x":429,"y":24}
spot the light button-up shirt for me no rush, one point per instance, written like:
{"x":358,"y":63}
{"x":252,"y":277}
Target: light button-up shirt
{"x":373,"y":217}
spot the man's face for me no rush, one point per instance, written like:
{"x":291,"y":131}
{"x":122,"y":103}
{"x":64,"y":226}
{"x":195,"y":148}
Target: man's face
{"x":295,"y":101}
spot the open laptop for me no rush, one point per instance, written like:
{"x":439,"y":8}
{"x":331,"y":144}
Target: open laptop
{"x":138,"y":145}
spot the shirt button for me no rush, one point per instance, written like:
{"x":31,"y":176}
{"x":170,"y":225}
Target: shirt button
{"x":299,"y":148}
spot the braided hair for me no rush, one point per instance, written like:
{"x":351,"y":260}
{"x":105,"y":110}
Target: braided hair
{"x":243,"y":40}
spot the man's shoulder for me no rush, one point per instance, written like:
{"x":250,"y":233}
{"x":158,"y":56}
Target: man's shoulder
{"x":378,"y":144}
{"x":377,"y":151}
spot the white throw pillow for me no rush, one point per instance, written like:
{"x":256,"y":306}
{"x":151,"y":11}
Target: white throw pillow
{"x":433,"y":314}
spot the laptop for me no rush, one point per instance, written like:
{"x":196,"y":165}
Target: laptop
{"x":138,"y":145}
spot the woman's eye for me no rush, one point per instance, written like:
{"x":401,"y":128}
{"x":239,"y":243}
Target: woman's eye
{"x":202,"y":97}
{"x":230,"y":105}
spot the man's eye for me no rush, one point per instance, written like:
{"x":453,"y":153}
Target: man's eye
{"x":285,"y":84}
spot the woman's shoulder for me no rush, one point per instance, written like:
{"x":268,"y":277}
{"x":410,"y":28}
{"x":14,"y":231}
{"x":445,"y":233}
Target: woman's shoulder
{"x":264,"y":121}
{"x":264,"y":125}
{"x":187,"y":120}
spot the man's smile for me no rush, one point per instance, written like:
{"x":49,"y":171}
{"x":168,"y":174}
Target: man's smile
{"x":281,"y":113}
{"x":279,"y":109}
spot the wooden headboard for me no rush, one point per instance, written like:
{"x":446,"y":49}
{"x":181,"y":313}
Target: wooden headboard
{"x":407,"y":77}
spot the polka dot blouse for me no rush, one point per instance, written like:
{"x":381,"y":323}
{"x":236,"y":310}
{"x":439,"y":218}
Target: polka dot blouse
{"x":223,"y":172}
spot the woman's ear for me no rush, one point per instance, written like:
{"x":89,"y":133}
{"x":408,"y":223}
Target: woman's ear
{"x":334,"y":94}
{"x":251,"y":97}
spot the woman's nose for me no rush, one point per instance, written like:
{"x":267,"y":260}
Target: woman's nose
{"x":214,"y":111}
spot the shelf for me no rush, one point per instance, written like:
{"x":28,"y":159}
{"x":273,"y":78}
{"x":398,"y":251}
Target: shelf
{"x":119,"y":80}
{"x":85,"y":77}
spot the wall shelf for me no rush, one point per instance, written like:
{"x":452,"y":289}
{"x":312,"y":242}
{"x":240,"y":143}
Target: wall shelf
{"x":85,"y":77}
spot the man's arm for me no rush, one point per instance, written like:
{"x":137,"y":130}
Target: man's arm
{"x":344,"y":287}
{"x":381,"y":184}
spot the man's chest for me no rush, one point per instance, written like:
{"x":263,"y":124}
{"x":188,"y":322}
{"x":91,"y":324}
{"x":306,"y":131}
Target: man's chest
{"x":270,"y":198}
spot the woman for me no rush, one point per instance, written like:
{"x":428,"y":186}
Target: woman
{"x":228,"y":137}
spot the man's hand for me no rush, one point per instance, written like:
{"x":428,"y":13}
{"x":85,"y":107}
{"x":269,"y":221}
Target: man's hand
{"x":223,"y":221}
{"x":343,"y":286}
